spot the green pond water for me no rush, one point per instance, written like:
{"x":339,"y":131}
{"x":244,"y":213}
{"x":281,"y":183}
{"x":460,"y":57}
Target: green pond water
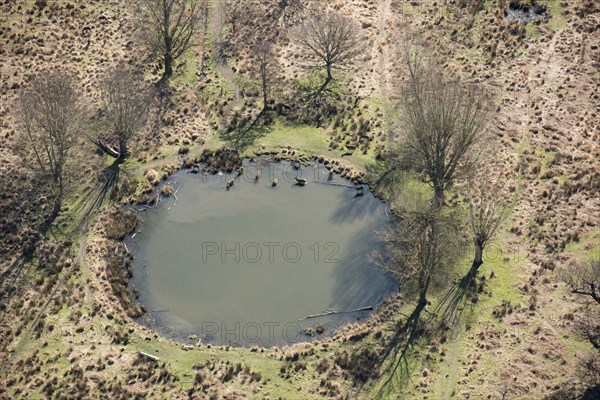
{"x":246,"y":266}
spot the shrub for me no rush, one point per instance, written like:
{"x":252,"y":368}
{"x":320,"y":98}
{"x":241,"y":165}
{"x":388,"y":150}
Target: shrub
{"x":167,"y":190}
{"x":153,"y":177}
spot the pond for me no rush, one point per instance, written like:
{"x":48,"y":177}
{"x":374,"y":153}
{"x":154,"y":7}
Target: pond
{"x":247,"y":265}
{"x":525,"y":13}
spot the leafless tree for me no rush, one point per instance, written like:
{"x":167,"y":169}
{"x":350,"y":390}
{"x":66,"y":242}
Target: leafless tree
{"x":168,"y":27}
{"x":266,"y":72}
{"x":234,"y":13}
{"x":442,"y":125}
{"x":421,"y":245}
{"x":203,"y":36}
{"x":584,"y":279}
{"x":332,"y":41}
{"x":489,"y":206}
{"x":490,"y":203}
{"x":287,"y":8}
{"x":505,"y":389}
{"x":52,"y":115}
{"x":125,"y":103}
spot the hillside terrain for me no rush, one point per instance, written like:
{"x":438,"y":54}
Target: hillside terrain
{"x":68,"y":326}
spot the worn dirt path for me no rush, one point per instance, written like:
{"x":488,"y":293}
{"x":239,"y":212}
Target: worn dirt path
{"x":448,"y":372}
{"x":216,"y":23}
{"x":383,"y":59}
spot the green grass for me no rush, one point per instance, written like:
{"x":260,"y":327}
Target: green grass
{"x":506,"y":265}
{"x":217,"y":87}
{"x":418,"y":188}
{"x":533,"y":31}
{"x":587,"y":248}
{"x":310,"y":139}
{"x":213,"y":141}
{"x":556,"y":22}
{"x":476,"y":316}
{"x":182,"y":362}
{"x":562,"y":179}
{"x":556,"y":10}
{"x":545,"y":157}
{"x":523,"y":145}
{"x":185,"y":68}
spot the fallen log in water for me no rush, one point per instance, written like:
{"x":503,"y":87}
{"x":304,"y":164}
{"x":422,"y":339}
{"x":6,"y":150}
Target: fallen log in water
{"x":332,"y":312}
{"x":150,"y":356}
{"x":336,"y":184}
{"x":301,"y":181}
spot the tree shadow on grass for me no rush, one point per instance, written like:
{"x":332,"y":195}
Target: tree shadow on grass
{"x":11,"y":274}
{"x":248,"y":134}
{"x":454,"y":301}
{"x":592,"y":393}
{"x":570,"y":393}
{"x":394,"y":360}
{"x":93,"y":198}
{"x":395,"y":357}
{"x":317,"y":98}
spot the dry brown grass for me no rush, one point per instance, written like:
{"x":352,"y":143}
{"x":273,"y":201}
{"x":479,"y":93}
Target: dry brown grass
{"x":545,"y":85}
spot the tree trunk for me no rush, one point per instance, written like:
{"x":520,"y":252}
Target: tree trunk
{"x":424,"y":282}
{"x":49,"y":220}
{"x":595,"y":294}
{"x":265,"y":94}
{"x":422,"y":299}
{"x":326,"y":83}
{"x":123,"y":152}
{"x":477,"y":261}
{"x":168,"y":68}
{"x":439,"y":195}
{"x":106,"y":148}
{"x":478,"y":253}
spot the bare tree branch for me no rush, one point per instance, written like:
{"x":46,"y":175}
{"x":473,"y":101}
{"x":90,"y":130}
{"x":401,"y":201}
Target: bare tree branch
{"x":287,"y":9}
{"x":52,"y":117}
{"x":125,"y":101}
{"x":489,"y":206}
{"x":421,"y":245}
{"x":266,"y":70}
{"x":584,"y":279}
{"x":168,"y":27}
{"x":332,"y":41}
{"x":442,"y":124}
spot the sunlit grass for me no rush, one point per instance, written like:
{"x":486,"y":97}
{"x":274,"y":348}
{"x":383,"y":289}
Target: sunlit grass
{"x":587,"y":248}
{"x":556,"y":10}
{"x":184,"y":70}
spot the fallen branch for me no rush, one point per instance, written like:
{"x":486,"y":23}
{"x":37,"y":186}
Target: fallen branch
{"x":106,"y":148}
{"x":150,"y":356}
{"x":332,"y":312}
{"x":337,"y":184}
